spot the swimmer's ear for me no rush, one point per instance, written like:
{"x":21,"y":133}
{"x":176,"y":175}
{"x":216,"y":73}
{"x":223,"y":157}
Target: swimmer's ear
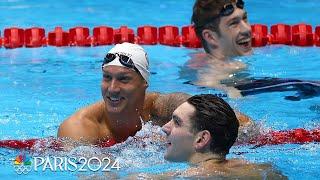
{"x":146,"y":85}
{"x":202,"y":141}
{"x":211,"y":38}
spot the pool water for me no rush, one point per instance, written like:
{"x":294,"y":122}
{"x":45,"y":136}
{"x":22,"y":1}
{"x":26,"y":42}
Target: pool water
{"x":41,"y":87}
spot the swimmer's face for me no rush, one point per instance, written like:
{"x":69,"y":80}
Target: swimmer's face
{"x":235,"y":34}
{"x":123,"y":89}
{"x":180,"y":139}
{"x":234,"y":37}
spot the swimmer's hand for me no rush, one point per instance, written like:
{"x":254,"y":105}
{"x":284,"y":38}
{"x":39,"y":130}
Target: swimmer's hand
{"x":234,"y":93}
{"x":243,"y":119}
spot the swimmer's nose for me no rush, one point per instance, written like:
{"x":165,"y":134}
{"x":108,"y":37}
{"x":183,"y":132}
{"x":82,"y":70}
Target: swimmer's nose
{"x":114,"y":86}
{"x":167,"y":128}
{"x":245,"y":28}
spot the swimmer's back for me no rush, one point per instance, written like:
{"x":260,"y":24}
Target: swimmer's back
{"x":235,"y":169}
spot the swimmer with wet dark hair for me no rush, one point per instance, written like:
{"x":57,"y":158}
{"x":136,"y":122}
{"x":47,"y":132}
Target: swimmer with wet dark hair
{"x":201,"y":132}
{"x":225,"y":33}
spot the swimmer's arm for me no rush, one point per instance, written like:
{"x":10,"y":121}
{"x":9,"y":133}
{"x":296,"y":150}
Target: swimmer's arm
{"x":243,"y":119}
{"x":161,"y":106}
{"x":215,"y":83}
{"x":80,"y":126}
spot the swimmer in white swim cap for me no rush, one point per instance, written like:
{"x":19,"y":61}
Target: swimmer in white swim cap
{"x":125,"y":103}
{"x":130,"y":56}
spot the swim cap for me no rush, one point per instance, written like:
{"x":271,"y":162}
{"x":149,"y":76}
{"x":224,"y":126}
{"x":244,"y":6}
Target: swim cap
{"x":136,"y":53}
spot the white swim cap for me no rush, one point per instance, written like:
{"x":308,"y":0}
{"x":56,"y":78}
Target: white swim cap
{"x":136,"y":53}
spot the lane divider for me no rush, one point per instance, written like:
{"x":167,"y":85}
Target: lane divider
{"x":294,"y":136}
{"x":14,"y":37}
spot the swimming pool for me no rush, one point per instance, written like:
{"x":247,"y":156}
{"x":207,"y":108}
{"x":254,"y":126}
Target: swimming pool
{"x":41,"y":87}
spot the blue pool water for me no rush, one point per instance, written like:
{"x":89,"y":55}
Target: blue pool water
{"x":41,"y":87}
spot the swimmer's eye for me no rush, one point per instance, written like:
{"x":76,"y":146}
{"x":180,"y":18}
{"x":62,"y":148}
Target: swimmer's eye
{"x":235,"y":22}
{"x":176,"y":120}
{"x":245,"y":17}
{"x":125,"y":79}
{"x":107,"y":77}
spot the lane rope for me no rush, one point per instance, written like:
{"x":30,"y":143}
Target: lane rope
{"x":15,"y":37}
{"x":294,"y":136}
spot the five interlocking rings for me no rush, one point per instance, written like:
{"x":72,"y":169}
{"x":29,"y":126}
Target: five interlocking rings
{"x":22,"y":169}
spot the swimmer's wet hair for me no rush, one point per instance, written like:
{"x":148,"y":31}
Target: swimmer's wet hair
{"x":215,"y":115}
{"x":205,"y":16}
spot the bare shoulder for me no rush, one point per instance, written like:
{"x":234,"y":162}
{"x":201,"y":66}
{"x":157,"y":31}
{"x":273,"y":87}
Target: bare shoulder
{"x":244,"y":168}
{"x":83,"y":124}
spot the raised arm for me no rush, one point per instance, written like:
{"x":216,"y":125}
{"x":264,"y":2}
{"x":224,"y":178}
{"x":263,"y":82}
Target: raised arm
{"x":158,"y":108}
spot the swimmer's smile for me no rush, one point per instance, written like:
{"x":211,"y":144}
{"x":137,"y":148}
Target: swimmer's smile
{"x":244,"y":43}
{"x":115,"y":101}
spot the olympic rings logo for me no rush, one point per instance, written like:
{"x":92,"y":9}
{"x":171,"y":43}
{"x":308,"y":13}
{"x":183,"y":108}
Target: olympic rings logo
{"x":22,"y":169}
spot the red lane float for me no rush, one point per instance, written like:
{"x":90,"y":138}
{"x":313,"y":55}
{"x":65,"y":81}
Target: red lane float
{"x":302,"y":35}
{"x":123,"y":34}
{"x":169,"y":35}
{"x":35,"y":37}
{"x":259,"y":35}
{"x":317,"y":36}
{"x":280,"y":34}
{"x":102,"y":35}
{"x":48,"y":143}
{"x":295,"y":136}
{"x":147,"y":35}
{"x":13,"y":37}
{"x":79,"y":36}
{"x":58,"y":37}
{"x":1,"y":40}
{"x":298,"y":35}
{"x":189,"y":37}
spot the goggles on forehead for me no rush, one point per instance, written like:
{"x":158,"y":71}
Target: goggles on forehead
{"x":227,"y":10}
{"x":123,"y":59}
{"x":230,"y":7}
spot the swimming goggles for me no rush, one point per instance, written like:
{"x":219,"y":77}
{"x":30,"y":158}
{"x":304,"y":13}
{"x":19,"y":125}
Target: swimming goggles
{"x":229,"y":8}
{"x":124,"y":60}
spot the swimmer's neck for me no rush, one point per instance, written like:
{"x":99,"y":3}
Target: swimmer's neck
{"x":204,"y":158}
{"x":218,"y":56}
{"x":123,"y":125}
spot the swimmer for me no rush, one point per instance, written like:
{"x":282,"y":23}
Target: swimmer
{"x":224,"y":31}
{"x":125,"y":102}
{"x":201,"y":132}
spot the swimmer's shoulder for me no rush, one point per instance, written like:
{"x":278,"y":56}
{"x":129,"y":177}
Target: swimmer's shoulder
{"x":243,"y":168}
{"x":84,"y":124}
